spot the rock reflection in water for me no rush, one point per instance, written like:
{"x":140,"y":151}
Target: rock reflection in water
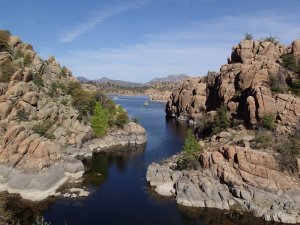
{"x":193,"y":216}
{"x":97,"y":167}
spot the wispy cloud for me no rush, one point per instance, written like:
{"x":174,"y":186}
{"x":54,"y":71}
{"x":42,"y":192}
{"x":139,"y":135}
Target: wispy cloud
{"x":193,"y":49}
{"x":99,"y":17}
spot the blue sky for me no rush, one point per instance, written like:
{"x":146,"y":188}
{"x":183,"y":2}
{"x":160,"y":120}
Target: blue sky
{"x":137,"y":40}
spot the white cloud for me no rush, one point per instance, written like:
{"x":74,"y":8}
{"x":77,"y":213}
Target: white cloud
{"x":193,"y":50}
{"x":98,"y":18}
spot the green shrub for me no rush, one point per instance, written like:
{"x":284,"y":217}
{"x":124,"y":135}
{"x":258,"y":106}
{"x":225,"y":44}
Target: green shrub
{"x":295,"y":87}
{"x":7,"y":69}
{"x":42,"y":129}
{"x":54,"y":87}
{"x":64,"y":71}
{"x":4,"y":38}
{"x":272,"y":39}
{"x":18,"y":54}
{"x":191,"y":144}
{"x":221,"y":122}
{"x":277,"y":83}
{"x":248,"y":36}
{"x":82,"y":100}
{"x":38,"y":80}
{"x":27,"y":60}
{"x":99,"y":122}
{"x":290,"y":62}
{"x":263,"y":139}
{"x":267,"y":121}
{"x":121,"y":117}
{"x":22,"y":115}
{"x":187,"y":162}
{"x":289,"y":152}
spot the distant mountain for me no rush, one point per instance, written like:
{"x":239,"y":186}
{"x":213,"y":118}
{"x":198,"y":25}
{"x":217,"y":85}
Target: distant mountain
{"x":170,"y":78}
{"x":105,"y":80}
{"x":83,"y":79}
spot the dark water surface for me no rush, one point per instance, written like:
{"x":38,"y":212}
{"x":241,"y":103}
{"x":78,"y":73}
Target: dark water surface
{"x":119,"y":192}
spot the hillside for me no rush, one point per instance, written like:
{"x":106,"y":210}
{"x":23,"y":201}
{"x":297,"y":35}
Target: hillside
{"x":47,"y":119}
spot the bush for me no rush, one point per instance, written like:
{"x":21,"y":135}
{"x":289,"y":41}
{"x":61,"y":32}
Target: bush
{"x":248,"y":36}
{"x":27,"y":60}
{"x":38,"y":80}
{"x":54,"y":87}
{"x":289,"y":152}
{"x":272,"y":39}
{"x":7,"y":69}
{"x":4,"y":38}
{"x":99,"y":121}
{"x":277,"y":83}
{"x":188,"y":161}
{"x":82,"y":100}
{"x":263,"y":139}
{"x":268,"y":121}
{"x":64,"y":71}
{"x":42,"y":129}
{"x":18,"y":54}
{"x":290,"y":62}
{"x":22,"y":115}
{"x":221,"y":122}
{"x":295,"y":87}
{"x":121,"y":117}
{"x":191,"y":144}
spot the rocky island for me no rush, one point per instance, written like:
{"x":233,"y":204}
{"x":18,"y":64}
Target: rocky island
{"x":246,"y":120}
{"x":47,"y":120}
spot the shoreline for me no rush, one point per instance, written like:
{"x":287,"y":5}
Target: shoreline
{"x":204,"y":188}
{"x":38,"y":186}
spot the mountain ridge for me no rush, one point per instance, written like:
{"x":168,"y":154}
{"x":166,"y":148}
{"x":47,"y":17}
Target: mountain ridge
{"x":170,"y":78}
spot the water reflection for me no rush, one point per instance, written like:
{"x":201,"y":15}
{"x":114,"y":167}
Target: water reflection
{"x":219,"y":217}
{"x":97,"y":167}
{"x":179,"y":128}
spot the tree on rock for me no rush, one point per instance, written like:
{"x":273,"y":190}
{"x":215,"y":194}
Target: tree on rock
{"x":191,"y":144}
{"x":99,"y":121}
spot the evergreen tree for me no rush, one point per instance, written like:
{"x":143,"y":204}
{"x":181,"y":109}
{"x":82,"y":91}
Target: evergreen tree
{"x":191,"y":144}
{"x":99,"y":121}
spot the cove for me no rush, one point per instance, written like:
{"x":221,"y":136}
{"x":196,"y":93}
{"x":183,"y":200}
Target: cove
{"x":119,"y":193}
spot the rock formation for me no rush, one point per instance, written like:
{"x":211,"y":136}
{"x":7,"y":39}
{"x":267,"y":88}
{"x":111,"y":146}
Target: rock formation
{"x":259,"y":83}
{"x":244,"y":86}
{"x":232,"y":178}
{"x":38,"y":123}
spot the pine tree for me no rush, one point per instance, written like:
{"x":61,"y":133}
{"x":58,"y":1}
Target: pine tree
{"x":99,"y":121}
{"x":191,"y":144}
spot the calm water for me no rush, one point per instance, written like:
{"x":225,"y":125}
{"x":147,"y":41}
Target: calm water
{"x":119,"y":192}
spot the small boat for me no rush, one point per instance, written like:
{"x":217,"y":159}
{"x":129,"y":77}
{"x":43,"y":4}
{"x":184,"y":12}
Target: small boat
{"x":146,"y":103}
{"x":115,"y":98}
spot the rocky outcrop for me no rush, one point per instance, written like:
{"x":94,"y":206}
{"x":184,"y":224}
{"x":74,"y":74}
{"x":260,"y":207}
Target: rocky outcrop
{"x":231,"y":177}
{"x":189,"y":100}
{"x":244,"y":86}
{"x":38,"y":123}
{"x":131,"y":134}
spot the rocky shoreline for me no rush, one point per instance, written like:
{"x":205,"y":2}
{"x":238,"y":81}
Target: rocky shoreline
{"x":212,"y":188}
{"x":228,"y":176}
{"x":38,"y":186}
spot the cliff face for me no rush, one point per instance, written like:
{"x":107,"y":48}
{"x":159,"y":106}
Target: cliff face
{"x":27,"y":101}
{"x":253,"y":83}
